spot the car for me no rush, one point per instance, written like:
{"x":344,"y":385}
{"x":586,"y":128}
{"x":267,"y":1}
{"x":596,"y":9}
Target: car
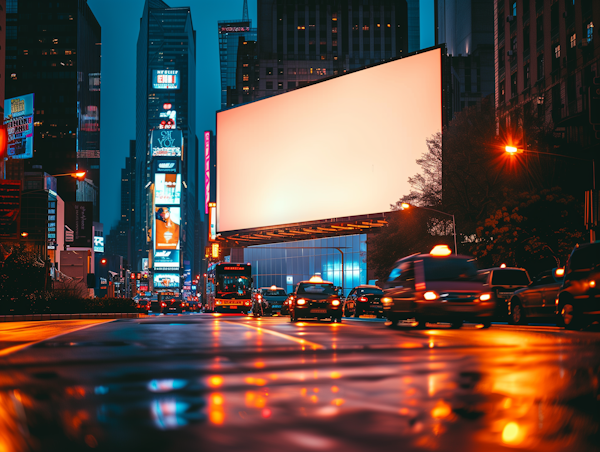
{"x":316,"y":299}
{"x":156,"y":307}
{"x":363,"y":299}
{"x":173,"y":306}
{"x":272,"y":298}
{"x":285,"y":308}
{"x":578,"y":300}
{"x":437,"y":287}
{"x":537,"y":300}
{"x":503,"y":281}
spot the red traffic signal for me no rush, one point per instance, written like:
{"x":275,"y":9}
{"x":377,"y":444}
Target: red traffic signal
{"x":3,"y":141}
{"x":103,"y":261}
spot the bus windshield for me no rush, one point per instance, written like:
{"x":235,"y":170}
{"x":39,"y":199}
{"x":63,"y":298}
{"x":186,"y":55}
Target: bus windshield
{"x":233,"y":286}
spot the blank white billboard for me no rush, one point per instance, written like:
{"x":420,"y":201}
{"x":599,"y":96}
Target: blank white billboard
{"x":342,"y":147}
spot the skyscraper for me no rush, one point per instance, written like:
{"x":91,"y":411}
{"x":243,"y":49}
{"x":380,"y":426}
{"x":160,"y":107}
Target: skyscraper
{"x":230,"y":32}
{"x":166,"y":107}
{"x":54,"y":54}
{"x":300,"y":42}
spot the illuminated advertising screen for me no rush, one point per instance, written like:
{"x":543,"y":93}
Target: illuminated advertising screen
{"x":166,"y":280}
{"x":383,"y":116}
{"x":166,"y":143}
{"x":166,"y":236}
{"x":167,"y":189}
{"x":168,"y":119}
{"x":18,"y":119}
{"x":165,"y":79}
{"x":166,"y":166}
{"x":206,"y":171}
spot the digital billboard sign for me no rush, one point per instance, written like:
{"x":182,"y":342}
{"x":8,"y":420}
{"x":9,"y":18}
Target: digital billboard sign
{"x":166,"y":280}
{"x":167,"y":189}
{"x":165,"y":79}
{"x":166,"y":237}
{"x":79,"y":217}
{"x":206,"y":171}
{"x":382,"y":116}
{"x":18,"y":118}
{"x":166,"y":143}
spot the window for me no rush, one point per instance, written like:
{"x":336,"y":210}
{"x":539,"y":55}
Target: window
{"x":280,"y":71}
{"x":513,"y":85}
{"x":302,"y":71}
{"x":405,"y":271}
{"x":526,"y":76}
{"x":280,"y":85}
{"x":245,"y":77}
{"x":590,"y":31}
{"x":501,"y":91}
{"x":291,"y":71}
{"x":321,"y":71}
{"x":526,"y":40}
{"x":501,"y":56}
{"x":269,"y":71}
{"x":513,"y":8}
{"x":540,"y":28}
{"x":557,"y":51}
{"x":573,"y":40}
{"x":540,"y":66}
{"x":291,"y":85}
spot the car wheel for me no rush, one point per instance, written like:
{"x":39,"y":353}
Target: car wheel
{"x":486,"y":323}
{"x":567,"y":316}
{"x":517,"y":316}
{"x":456,"y":324}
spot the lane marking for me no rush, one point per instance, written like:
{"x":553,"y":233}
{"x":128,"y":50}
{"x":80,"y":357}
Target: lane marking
{"x":15,"y":348}
{"x":303,"y":342}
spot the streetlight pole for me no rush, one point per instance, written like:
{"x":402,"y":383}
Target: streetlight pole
{"x":513,"y":150}
{"x":405,"y":206}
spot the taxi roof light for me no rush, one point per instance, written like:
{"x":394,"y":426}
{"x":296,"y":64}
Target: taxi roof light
{"x":440,"y":250}
{"x":316,"y":278}
{"x":273,"y":287}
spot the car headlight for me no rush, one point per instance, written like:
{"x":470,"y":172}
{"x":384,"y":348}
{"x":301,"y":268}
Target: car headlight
{"x":335,"y":302}
{"x":301,"y":301}
{"x":431,"y":295}
{"x":485,"y":296}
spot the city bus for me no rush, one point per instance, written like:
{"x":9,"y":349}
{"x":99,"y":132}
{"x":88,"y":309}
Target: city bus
{"x":228,"y":288}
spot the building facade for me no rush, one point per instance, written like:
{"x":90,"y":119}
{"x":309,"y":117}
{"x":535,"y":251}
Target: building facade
{"x":54,"y":54}
{"x":546,"y":56}
{"x":165,"y":99}
{"x":466,"y":27}
{"x":303,"y":41}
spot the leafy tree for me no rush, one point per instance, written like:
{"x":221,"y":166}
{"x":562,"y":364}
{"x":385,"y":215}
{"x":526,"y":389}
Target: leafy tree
{"x":534,"y":230}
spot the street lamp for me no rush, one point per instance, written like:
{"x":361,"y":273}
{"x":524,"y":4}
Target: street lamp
{"x":513,"y":151}
{"x":80,"y":175}
{"x":405,"y":206}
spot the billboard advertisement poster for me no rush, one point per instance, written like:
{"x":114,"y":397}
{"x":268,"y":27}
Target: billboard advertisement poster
{"x":166,"y":259}
{"x":165,"y":79}
{"x":167,"y":189}
{"x":166,"y":280}
{"x":166,"y":143}
{"x":166,"y":166}
{"x":78,"y":224}
{"x":18,"y":118}
{"x":166,"y":228}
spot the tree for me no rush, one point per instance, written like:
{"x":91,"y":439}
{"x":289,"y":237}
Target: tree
{"x":534,"y":230}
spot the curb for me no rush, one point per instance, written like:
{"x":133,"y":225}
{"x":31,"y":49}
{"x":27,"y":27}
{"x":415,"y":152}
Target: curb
{"x":40,"y":317}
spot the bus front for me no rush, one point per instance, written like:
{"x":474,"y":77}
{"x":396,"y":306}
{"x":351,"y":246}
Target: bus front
{"x":233,"y":288}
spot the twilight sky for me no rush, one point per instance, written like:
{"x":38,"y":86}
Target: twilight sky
{"x":120,"y":22}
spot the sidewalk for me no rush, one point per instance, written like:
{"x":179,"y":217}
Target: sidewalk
{"x":103,"y":315}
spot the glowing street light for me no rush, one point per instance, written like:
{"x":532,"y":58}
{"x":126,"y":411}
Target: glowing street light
{"x":513,"y":150}
{"x":77,"y":175}
{"x":405,"y":206}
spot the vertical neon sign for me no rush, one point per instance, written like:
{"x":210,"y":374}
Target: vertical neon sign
{"x":206,"y":170}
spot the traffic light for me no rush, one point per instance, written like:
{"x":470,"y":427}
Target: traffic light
{"x":594,"y":103}
{"x":103,"y":261}
{"x":3,"y":141}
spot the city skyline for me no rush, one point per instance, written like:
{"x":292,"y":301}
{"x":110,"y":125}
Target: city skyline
{"x":118,"y":77}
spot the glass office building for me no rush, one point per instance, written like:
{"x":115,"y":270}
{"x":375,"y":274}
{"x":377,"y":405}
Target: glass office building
{"x":165,"y":99}
{"x":286,"y":264}
{"x":230,"y":32}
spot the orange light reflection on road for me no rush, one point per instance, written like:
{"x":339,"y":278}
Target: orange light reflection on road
{"x":441,"y":410}
{"x":216,"y":413}
{"x":255,"y":381}
{"x":513,"y":434}
{"x":215,"y":381}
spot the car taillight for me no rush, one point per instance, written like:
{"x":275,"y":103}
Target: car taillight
{"x":363,"y":299}
{"x":430,"y":296}
{"x":182,"y":305}
{"x":301,"y":301}
{"x":335,"y":302}
{"x":163,"y":304}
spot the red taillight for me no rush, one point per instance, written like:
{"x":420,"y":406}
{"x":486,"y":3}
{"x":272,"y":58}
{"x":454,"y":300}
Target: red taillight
{"x":182,"y":305}
{"x":163,"y":304}
{"x":363,"y":299}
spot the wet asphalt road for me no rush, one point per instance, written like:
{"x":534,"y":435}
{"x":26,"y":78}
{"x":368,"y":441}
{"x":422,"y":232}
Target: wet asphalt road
{"x":231,"y":383}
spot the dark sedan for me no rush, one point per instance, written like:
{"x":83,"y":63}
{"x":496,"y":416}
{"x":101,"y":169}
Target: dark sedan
{"x":503,"y":282}
{"x":537,"y":300}
{"x":316,"y":299}
{"x":362,"y":300}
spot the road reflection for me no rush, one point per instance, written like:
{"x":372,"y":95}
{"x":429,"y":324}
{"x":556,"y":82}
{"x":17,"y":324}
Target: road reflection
{"x":429,"y":390}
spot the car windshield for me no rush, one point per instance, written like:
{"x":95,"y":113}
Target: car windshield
{"x":233,"y":286}
{"x":510,"y":277}
{"x":310,"y":288}
{"x":585,"y":258}
{"x":370,"y":291}
{"x":450,"y":269}
{"x":274,"y":293}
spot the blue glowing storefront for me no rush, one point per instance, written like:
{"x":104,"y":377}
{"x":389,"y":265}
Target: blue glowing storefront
{"x":286,"y":264}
